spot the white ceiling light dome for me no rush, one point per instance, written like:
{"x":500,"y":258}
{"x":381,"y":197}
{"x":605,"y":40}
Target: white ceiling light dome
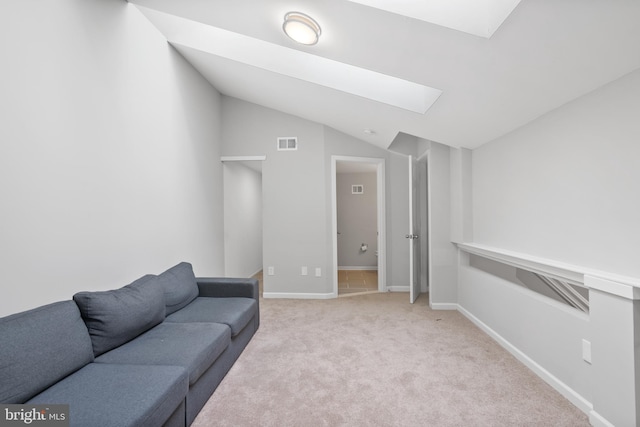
{"x":301,"y":28}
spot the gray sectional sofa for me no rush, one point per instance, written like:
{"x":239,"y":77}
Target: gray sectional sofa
{"x":148,"y":354}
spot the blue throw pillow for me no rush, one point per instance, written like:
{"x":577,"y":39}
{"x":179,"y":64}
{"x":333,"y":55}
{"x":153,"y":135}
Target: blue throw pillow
{"x":179,"y":285}
{"x":118,"y":316}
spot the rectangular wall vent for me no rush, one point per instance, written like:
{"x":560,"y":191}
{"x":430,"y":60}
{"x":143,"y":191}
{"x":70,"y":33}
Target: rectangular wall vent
{"x":357,"y":189}
{"x":287,"y":143}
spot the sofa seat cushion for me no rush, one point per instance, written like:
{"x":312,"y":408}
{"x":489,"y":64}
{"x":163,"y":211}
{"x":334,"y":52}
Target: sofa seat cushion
{"x":40,"y":347}
{"x":117,"y":316}
{"x":194,"y":346}
{"x":104,"y":395}
{"x":234,"y":312}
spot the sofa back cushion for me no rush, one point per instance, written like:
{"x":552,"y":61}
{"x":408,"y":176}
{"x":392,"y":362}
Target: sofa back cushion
{"x":180,"y":286}
{"x":118,"y":316}
{"x":39,"y":347}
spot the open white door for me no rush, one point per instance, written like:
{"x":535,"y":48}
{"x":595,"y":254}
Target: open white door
{"x":414,"y":231}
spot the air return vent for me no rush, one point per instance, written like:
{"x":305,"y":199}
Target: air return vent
{"x":287,"y":143}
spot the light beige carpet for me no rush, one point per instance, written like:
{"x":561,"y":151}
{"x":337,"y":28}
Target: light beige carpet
{"x":376,"y":360}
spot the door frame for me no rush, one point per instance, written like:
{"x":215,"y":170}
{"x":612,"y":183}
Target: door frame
{"x":381,"y":208}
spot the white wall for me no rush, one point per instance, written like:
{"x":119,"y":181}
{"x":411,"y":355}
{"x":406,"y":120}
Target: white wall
{"x":546,"y":333}
{"x":242,"y":220}
{"x":443,"y":280}
{"x":297,"y":196}
{"x":461,"y":197}
{"x":565,"y":187}
{"x":293,"y":185}
{"x":108,"y":153}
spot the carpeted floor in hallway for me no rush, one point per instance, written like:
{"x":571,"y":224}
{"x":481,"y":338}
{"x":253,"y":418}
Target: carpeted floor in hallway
{"x":376,"y":360}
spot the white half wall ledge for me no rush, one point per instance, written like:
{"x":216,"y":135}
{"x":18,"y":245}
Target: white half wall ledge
{"x":611,"y":287}
{"x":622,"y":286}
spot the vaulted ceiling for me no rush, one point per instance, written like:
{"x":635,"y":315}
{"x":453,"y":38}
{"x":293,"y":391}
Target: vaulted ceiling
{"x":457,"y":72}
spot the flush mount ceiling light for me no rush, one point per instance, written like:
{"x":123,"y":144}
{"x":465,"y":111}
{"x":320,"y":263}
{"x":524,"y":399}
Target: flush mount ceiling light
{"x":194,"y":39}
{"x":301,"y":28}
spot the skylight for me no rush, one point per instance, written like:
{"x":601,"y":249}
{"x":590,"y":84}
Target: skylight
{"x":478,"y":17}
{"x":294,"y":63}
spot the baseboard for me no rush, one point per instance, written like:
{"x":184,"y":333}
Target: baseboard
{"x":579,"y":401}
{"x":443,"y":306}
{"x":597,"y":420}
{"x":347,"y":267}
{"x":292,"y":295}
{"x":397,"y":288}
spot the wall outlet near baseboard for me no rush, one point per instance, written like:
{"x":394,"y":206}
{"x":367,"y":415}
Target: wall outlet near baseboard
{"x":304,"y":270}
{"x":271,"y":271}
{"x":318,"y":272}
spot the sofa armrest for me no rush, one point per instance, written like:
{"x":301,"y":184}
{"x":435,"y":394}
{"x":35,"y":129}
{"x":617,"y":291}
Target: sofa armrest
{"x":229,"y":287}
{"x":222,"y":287}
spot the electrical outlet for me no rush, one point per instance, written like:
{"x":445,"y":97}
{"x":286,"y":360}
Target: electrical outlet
{"x":271,"y":271}
{"x":318,"y":272}
{"x":304,"y":270}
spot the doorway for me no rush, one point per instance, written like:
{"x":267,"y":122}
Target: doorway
{"x":242,"y":192}
{"x":358,"y":225}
